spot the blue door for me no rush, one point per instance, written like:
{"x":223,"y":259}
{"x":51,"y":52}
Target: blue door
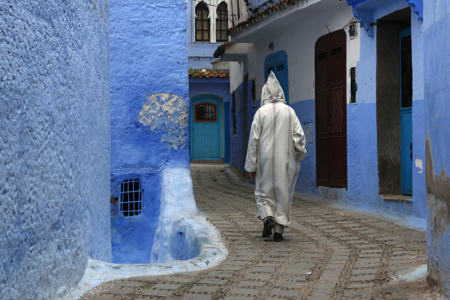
{"x":206,"y":128}
{"x":277,"y":62}
{"x":406,"y":110}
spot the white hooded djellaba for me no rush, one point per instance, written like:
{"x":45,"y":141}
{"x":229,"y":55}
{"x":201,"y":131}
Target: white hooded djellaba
{"x":276,"y":146}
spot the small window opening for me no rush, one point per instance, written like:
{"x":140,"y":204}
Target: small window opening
{"x":353,"y":85}
{"x":353,"y":30}
{"x":130,"y":200}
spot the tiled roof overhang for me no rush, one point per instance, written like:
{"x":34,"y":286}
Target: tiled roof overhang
{"x":207,"y":74}
{"x":363,"y":12}
{"x":260,"y":16}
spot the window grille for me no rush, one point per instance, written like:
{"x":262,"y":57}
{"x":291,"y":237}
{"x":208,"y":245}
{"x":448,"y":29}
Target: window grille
{"x":222,"y":23}
{"x":205,"y":112}
{"x":130,"y":200}
{"x":201,"y":23}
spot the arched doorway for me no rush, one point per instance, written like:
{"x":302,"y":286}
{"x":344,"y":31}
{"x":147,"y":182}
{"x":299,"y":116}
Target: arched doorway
{"x":206,"y":129}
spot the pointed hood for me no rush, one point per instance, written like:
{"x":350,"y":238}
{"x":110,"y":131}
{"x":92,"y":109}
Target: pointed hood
{"x":272,"y":91}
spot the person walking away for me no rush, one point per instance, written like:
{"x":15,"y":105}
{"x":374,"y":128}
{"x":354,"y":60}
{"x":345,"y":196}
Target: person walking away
{"x":275,"y":147}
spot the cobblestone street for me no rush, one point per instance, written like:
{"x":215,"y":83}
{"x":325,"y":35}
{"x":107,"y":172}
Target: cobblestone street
{"x":328,"y":253}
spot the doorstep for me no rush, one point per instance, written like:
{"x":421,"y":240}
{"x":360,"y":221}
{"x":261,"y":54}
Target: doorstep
{"x":401,"y":198}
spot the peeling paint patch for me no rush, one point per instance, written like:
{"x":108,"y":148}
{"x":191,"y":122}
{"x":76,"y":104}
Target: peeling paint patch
{"x":419,"y":165}
{"x":166,"y":113}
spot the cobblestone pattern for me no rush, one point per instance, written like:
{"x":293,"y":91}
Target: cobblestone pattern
{"x":327,"y":253}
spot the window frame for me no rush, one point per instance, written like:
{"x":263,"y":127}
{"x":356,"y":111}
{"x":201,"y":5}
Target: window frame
{"x":205,"y":121}
{"x":222,"y":22}
{"x":130,"y":212}
{"x":202,"y":10}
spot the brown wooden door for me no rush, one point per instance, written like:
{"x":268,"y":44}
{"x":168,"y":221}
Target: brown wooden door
{"x":331,"y":109}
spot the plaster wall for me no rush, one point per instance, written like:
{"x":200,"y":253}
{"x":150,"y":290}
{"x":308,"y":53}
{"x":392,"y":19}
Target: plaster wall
{"x":298,"y":40}
{"x":362,"y":155}
{"x":149,"y":111}
{"x":54,"y":145}
{"x":218,"y":87}
{"x":437,"y":128}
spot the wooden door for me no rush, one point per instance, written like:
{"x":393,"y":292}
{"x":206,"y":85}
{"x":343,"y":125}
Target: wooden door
{"x":331,"y":109}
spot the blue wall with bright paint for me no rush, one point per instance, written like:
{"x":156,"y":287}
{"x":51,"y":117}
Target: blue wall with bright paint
{"x":149,"y":92}
{"x":54,"y":145}
{"x":437,"y":130}
{"x":217,"y":87}
{"x":363,"y":188}
{"x":306,"y":181}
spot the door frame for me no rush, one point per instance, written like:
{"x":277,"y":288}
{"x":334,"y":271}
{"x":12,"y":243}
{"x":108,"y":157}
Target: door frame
{"x":204,"y":97}
{"x":403,"y":147}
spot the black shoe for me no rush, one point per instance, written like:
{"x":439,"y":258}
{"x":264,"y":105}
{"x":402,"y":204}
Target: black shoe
{"x":278,"y":237}
{"x":268,"y":226}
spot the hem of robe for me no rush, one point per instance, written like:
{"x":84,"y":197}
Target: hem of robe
{"x":282,"y":221}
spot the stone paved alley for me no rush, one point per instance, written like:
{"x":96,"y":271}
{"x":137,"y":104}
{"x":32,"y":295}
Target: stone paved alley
{"x":328,"y":253}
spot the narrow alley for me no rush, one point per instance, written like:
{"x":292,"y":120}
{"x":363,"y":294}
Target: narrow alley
{"x":328,"y":253}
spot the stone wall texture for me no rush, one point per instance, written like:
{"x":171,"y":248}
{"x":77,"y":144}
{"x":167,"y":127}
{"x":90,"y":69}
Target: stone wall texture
{"x":54,"y":144}
{"x":437,"y":128}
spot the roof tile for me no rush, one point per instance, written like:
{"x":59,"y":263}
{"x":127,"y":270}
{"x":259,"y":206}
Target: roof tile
{"x":208,"y":74}
{"x":259,"y":16}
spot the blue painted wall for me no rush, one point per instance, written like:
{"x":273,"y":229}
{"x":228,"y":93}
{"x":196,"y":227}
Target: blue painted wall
{"x":362,"y":155}
{"x":437,"y":129}
{"x":54,"y":145}
{"x":306,"y":182}
{"x":363,"y":187}
{"x":220,"y":88}
{"x":149,"y":111}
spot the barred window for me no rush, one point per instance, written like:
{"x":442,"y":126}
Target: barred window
{"x":222,"y":23}
{"x":201,"y":23}
{"x":205,"y":112}
{"x":130,"y":198}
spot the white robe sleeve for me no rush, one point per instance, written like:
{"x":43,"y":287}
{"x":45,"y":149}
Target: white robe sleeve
{"x":299,"y":140}
{"x":251,"y":160}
